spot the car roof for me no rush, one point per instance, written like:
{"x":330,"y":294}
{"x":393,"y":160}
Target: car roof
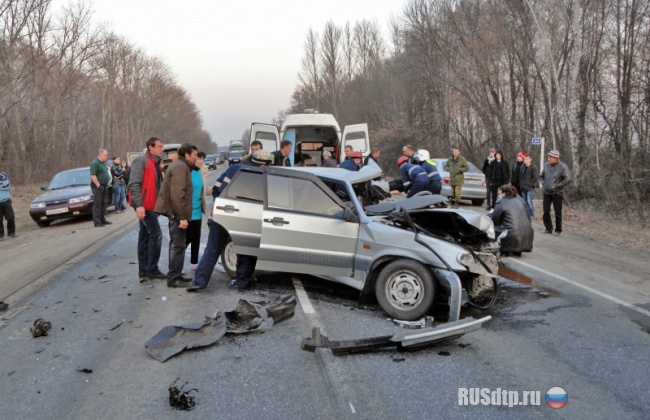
{"x":366,"y":173}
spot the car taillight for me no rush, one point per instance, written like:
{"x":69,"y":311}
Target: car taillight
{"x":446,"y":180}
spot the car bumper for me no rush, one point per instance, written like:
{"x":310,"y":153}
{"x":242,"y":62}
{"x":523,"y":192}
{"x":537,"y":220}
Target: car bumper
{"x":61,"y":212}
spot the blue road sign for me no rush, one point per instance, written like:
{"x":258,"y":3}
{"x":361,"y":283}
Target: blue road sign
{"x":537,"y":140}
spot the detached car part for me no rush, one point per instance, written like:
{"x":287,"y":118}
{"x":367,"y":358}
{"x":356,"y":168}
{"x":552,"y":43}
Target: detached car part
{"x":402,"y":340}
{"x":41,"y":327}
{"x":180,"y":399}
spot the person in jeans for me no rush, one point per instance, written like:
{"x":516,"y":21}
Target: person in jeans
{"x":6,"y":209}
{"x":218,"y":237}
{"x":144,"y":185}
{"x":99,"y":180}
{"x":175,"y":202}
{"x":198,"y":209}
{"x":118,"y":184}
{"x":528,"y":180}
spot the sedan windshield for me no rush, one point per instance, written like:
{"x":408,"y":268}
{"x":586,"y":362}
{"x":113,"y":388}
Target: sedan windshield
{"x":70,"y":179}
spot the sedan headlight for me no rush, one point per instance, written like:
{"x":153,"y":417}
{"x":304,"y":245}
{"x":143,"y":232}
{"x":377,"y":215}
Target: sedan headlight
{"x":37,"y":206}
{"x":466,"y":259}
{"x":81,"y":199}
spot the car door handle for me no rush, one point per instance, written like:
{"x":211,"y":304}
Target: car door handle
{"x":277,"y":221}
{"x":228,"y":208}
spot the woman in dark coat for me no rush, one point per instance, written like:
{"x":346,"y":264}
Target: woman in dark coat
{"x":511,"y":214}
{"x":498,"y":174}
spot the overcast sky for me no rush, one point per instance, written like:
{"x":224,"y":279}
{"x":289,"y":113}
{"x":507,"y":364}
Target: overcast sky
{"x":239,"y":59}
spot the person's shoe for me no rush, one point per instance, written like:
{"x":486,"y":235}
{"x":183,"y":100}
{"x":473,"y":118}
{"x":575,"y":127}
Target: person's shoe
{"x":185,"y":279}
{"x":194,"y":267}
{"x":13,"y":235}
{"x":157,"y":275}
{"x":546,"y":231}
{"x":556,"y":233}
{"x":106,"y":222}
{"x":193,"y":288}
{"x":238,"y":284}
{"x":99,"y":225}
{"x":118,"y":211}
{"x":176,"y":283}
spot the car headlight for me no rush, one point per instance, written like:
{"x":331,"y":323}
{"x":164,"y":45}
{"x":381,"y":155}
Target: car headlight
{"x":81,"y":199}
{"x":37,"y":206}
{"x":466,"y":259}
{"x":491,"y":233}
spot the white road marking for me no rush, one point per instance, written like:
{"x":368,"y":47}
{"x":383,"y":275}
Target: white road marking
{"x":302,"y":296}
{"x":587,"y":288}
{"x":352,"y":408}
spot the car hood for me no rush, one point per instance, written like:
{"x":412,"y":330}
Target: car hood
{"x":63,"y":194}
{"x":416,"y":207}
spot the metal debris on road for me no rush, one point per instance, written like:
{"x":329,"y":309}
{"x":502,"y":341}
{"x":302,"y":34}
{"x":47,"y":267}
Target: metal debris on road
{"x":248,"y":316}
{"x":117,"y":326}
{"x":3,"y":306}
{"x":41,"y":327}
{"x":180,"y":399}
{"x":402,"y":340}
{"x":84,"y":370}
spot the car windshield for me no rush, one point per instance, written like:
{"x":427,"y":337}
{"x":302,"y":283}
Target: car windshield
{"x":70,"y":179}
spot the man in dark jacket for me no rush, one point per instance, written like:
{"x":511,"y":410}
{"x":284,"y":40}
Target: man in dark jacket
{"x":328,"y":162}
{"x":499,"y":174}
{"x":514,"y":178}
{"x":281,"y":157}
{"x":352,"y":164}
{"x":555,"y":176}
{"x":175,"y":202}
{"x":99,"y":180}
{"x":528,"y":180}
{"x":409,"y":152}
{"x":486,"y":165}
{"x":144,"y":185}
{"x":510,"y":214}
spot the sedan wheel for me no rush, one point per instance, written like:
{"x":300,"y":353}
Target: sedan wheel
{"x":405,"y":290}
{"x":229,"y":259}
{"x":43,"y":224}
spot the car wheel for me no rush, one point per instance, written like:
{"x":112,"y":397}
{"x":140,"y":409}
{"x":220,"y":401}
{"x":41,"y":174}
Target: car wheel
{"x":229,"y":259}
{"x":477,"y":202}
{"x":405,"y":290}
{"x":43,"y":224}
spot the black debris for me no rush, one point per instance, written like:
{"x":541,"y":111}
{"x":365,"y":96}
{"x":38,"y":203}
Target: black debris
{"x":462,"y":346}
{"x":40,"y":350}
{"x":133,"y":262}
{"x":101,"y":277}
{"x":128,"y":294}
{"x":96,"y":310}
{"x":11,"y":373}
{"x":3,"y":306}
{"x":180,"y":399}
{"x":58,"y":302}
{"x":41,"y":327}
{"x":398,"y":359}
{"x":85,"y":370}
{"x":444,"y":353}
{"x":116,"y":327}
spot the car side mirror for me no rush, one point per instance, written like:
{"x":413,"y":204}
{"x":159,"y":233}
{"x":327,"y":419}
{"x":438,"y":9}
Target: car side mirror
{"x":349,"y":216}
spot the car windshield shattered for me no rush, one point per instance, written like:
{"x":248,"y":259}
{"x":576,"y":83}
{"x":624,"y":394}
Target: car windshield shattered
{"x":339,"y":225}
{"x":70,"y":179}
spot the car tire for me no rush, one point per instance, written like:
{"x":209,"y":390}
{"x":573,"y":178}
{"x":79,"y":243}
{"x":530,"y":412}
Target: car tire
{"x":43,"y":224}
{"x":477,"y":202}
{"x":229,"y":259}
{"x":405,"y":290}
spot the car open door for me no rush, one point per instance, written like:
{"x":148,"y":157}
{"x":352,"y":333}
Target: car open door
{"x":239,"y":210}
{"x":304,"y":228}
{"x":267,"y":134}
{"x":356,"y":136}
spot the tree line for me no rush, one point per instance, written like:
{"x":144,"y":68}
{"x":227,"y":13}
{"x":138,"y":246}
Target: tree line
{"x":69,"y":87}
{"x":495,"y":73}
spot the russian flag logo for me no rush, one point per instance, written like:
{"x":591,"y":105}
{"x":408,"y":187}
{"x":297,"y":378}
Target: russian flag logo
{"x":556,"y":397}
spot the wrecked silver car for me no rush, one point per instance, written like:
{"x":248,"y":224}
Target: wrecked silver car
{"x":325,"y":222}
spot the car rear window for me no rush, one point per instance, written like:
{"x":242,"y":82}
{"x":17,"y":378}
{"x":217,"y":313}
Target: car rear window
{"x":246,"y":186}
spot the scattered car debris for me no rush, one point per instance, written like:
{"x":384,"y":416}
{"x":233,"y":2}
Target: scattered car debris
{"x":248,"y":316}
{"x":180,"y":399}
{"x":117,"y":326}
{"x":96,"y":310}
{"x":398,"y":359}
{"x":402,"y":340}
{"x":101,"y":277}
{"x":40,"y":350}
{"x":85,"y":370}
{"x":41,"y":327}
{"x":3,"y":306}
{"x":421,"y":323}
{"x":444,"y":353}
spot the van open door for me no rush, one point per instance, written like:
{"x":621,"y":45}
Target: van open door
{"x":267,"y":134}
{"x":356,"y":136}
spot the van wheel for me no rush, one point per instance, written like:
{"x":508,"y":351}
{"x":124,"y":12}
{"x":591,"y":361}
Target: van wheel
{"x":405,"y":290}
{"x":477,"y":202}
{"x":229,"y":259}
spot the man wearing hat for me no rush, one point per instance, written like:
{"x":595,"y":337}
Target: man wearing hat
{"x":328,"y":162}
{"x":414,"y":178}
{"x":516,"y":168}
{"x":352,"y":164}
{"x":554,"y":177}
{"x":218,"y":236}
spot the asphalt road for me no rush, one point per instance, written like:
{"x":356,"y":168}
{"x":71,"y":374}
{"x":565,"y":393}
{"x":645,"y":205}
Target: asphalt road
{"x":545,"y":332}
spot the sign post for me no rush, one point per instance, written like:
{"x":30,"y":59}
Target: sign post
{"x":539,"y":141}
